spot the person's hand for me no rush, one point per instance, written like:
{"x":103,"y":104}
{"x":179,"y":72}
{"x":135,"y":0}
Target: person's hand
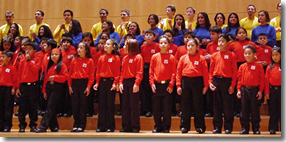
{"x":212,"y":87}
{"x":95,"y":86}
{"x":238,"y":94}
{"x":13,"y":92}
{"x":278,"y":29}
{"x":267,"y":96}
{"x":179,"y":91}
{"x":113,"y":87}
{"x":169,"y":90}
{"x":208,"y":56}
{"x":45,"y":96}
{"x":259,"y":95}
{"x":62,"y":26}
{"x":70,"y":90}
{"x":18,"y":93}
{"x":33,"y":34}
{"x":153,"y":88}
{"x":178,"y":27}
{"x":161,"y":21}
{"x":190,"y":27}
{"x":121,"y":88}
{"x":28,"y":56}
{"x":51,"y":78}
{"x":87,"y":91}
{"x":135,"y":88}
{"x":230,"y":90}
{"x":205,"y":90}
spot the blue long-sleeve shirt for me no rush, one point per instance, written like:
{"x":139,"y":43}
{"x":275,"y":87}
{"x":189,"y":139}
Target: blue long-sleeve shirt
{"x":159,"y":32}
{"x":139,"y":38}
{"x":76,"y":39}
{"x":232,"y":30}
{"x":202,"y":32}
{"x":268,"y":30}
{"x":113,"y":35}
{"x":179,"y":39}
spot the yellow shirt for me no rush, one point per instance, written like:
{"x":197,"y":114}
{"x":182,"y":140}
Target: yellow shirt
{"x":249,"y":25}
{"x":223,"y":26}
{"x":35,"y":28}
{"x":194,"y":24}
{"x":96,"y":30}
{"x":166,"y":24}
{"x":58,"y":34}
{"x":5,"y":29}
{"x":122,"y":32}
{"x":276,"y":23}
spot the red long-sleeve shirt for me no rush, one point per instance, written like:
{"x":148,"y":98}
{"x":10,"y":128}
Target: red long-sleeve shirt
{"x":148,"y":50}
{"x":122,"y":53}
{"x":192,"y":66}
{"x":238,"y":49}
{"x":60,"y":77}
{"x":223,"y":64}
{"x":272,"y":77}
{"x":162,"y":67}
{"x":173,"y":49}
{"x":8,"y":75}
{"x":182,"y":50}
{"x":264,"y":54}
{"x":17,"y":60}
{"x":212,"y":47}
{"x":45,"y":62}
{"x":202,"y":51}
{"x":68,"y":56}
{"x":108,"y":65}
{"x":81,"y":68}
{"x":250,"y":74}
{"x":132,"y":66}
{"x":28,"y":71}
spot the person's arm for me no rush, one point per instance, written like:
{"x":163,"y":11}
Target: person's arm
{"x":91,"y":73}
{"x":234,"y":70}
{"x":77,"y":39}
{"x":139,"y":70}
{"x":272,"y":36}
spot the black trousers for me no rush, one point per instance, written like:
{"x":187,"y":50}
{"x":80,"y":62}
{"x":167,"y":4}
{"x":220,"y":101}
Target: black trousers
{"x":130,"y":106}
{"x":90,"y":100}
{"x":250,"y":108}
{"x":64,"y":101}
{"x":222,"y":103}
{"x":106,"y":104}
{"x":275,"y":108}
{"x":49,"y":120}
{"x":192,"y":97}
{"x":236,"y":101}
{"x":28,"y":104}
{"x":6,"y":107}
{"x":79,"y":102}
{"x":162,"y":107}
{"x":146,"y":100}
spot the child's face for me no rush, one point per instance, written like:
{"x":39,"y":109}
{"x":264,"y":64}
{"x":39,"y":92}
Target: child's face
{"x":41,"y":45}
{"x":164,"y":44}
{"x":6,"y":45}
{"x":132,"y":28}
{"x":222,"y":43}
{"x":46,"y":47}
{"x":55,"y":56}
{"x":219,"y":20}
{"x":151,"y":20}
{"x":66,"y":45}
{"x":276,"y":56}
{"x":192,"y":47}
{"x":29,"y":50}
{"x":23,"y":45}
{"x":108,"y":47}
{"x":149,"y":37}
{"x":81,"y":50}
{"x":169,"y":35}
{"x":87,"y":40}
{"x":249,"y":55}
{"x":101,"y":44}
{"x":104,"y":36}
{"x":190,"y":13}
{"x":179,"y":20}
{"x":41,"y":31}
{"x":262,"y":40}
{"x":241,"y":35}
{"x":187,"y":38}
{"x":5,"y":59}
{"x":17,"y":42}
{"x":214,"y":36}
{"x":169,"y":11}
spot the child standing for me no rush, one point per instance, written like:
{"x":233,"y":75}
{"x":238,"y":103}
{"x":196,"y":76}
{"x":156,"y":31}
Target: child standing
{"x":192,"y":83}
{"x":162,"y":79}
{"x":273,"y":90}
{"x":222,"y":80}
{"x":107,"y":77}
{"x":250,"y":86}
{"x":131,"y":76}
{"x":264,"y":51}
{"x":81,"y":77}
{"x":8,"y":80}
{"x":182,"y":50}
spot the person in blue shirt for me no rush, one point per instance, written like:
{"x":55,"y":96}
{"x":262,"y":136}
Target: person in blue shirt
{"x":233,"y":24}
{"x":179,"y":29}
{"x":153,"y":20}
{"x":107,"y":26}
{"x":264,"y":27}
{"x":134,"y":30}
{"x":202,"y":28}
{"x":76,"y":31}
{"x":44,"y":31}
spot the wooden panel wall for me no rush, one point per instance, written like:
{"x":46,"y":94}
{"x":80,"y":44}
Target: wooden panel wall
{"x":86,"y":11}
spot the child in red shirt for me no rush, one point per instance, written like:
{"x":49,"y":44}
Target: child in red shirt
{"x":264,"y":51}
{"x":107,"y":77}
{"x":213,"y":47}
{"x":173,"y":47}
{"x":192,"y":83}
{"x":162,"y":79}
{"x":273,"y":90}
{"x":130,"y":78}
{"x":81,"y":78}
{"x":8,"y":80}
{"x":7,"y":44}
{"x":182,"y":50}
{"x":250,"y":86}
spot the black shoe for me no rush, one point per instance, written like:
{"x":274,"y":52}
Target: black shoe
{"x":227,"y":132}
{"x":17,"y":113}
{"x":43,"y":113}
{"x":244,"y":131}
{"x":125,"y":130}
{"x":89,"y":115}
{"x":136,"y":130}
{"x":272,"y":132}
{"x":99,"y":130}
{"x":55,"y":130}
{"x":166,"y":131}
{"x":142,"y":113}
{"x":7,"y":130}
{"x":208,"y":115}
{"x":66,"y":115}
{"x":22,"y":130}
{"x":180,"y":114}
{"x":256,"y":132}
{"x":16,"y":103}
{"x":109,"y":130}
{"x":39,"y":112}
{"x":148,"y":114}
{"x":74,"y":129}
{"x":79,"y":130}
{"x":156,"y":130}
{"x":33,"y":129}
{"x":217,"y":131}
{"x":200,"y":130}
{"x":40,"y":131}
{"x":119,"y":113}
{"x":184,"y":130}
{"x":59,"y":115}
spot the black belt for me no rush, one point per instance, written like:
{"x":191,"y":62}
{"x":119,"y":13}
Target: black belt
{"x":107,"y":78}
{"x":163,"y":82}
{"x":29,"y":83}
{"x":275,"y":87}
{"x":250,"y":87}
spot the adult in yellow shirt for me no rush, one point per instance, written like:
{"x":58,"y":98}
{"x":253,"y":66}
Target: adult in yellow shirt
{"x":64,"y":27}
{"x":9,"y":16}
{"x":276,"y":22}
{"x":191,"y":22}
{"x":251,"y":21}
{"x":34,"y":29}
{"x":168,"y":22}
{"x":122,"y":28}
